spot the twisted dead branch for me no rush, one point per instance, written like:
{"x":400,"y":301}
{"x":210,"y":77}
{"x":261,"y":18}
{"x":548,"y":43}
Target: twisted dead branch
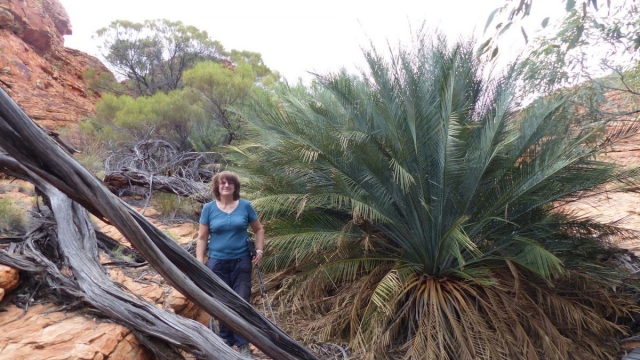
{"x":77,"y":243}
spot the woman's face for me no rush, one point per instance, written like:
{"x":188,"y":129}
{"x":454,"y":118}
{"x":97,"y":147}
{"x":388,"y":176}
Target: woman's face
{"x":226,"y":187}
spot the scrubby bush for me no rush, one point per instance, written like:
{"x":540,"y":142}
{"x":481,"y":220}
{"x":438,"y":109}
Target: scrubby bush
{"x":12,"y":216}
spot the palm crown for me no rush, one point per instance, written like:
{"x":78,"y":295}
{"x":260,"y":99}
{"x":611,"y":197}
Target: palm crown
{"x":425,"y":203}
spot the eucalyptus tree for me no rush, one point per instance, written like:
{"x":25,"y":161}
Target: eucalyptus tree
{"x":219,"y":88}
{"x":590,"y":40}
{"x":418,"y":208}
{"x":154,"y":54}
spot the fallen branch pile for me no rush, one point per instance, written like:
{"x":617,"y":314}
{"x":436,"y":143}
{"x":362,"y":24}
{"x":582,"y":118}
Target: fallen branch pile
{"x":126,"y":177}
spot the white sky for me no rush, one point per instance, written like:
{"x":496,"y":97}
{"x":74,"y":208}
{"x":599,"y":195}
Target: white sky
{"x":298,"y":36}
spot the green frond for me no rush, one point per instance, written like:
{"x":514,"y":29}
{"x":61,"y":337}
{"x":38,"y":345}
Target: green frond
{"x":537,"y":259}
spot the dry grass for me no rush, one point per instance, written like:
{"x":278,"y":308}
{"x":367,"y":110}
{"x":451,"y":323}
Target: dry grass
{"x":172,"y":206}
{"x":12,"y":216}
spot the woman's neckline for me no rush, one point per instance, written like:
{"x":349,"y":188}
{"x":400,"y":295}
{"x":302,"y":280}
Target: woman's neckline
{"x":235,"y":203}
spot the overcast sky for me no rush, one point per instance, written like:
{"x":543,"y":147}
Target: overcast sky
{"x":297,"y":36}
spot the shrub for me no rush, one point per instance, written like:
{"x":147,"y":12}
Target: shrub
{"x":172,"y":206}
{"x":416,"y":208}
{"x":12,"y":217}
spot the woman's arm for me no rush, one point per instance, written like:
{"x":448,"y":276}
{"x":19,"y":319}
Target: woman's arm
{"x":201,"y":244}
{"x":258,"y":230}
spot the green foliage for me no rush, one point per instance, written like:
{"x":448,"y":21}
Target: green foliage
{"x":103,"y":82}
{"x":590,"y":39}
{"x":168,"y":117}
{"x":156,"y":103}
{"x":207,"y":135}
{"x":221,"y":88}
{"x":418,"y":208}
{"x":12,"y":216}
{"x":119,"y":254}
{"x":154,"y":54}
{"x":264,"y":76}
{"x":201,"y":114}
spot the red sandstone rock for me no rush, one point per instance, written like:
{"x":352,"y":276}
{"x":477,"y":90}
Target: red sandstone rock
{"x":9,"y":279}
{"x":38,"y":72}
{"x":56,"y":335}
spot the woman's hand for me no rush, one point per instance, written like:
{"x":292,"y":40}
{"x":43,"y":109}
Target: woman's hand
{"x":258,"y":230}
{"x":258,"y":257}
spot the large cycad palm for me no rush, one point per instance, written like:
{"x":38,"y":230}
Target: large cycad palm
{"x":418,"y":208}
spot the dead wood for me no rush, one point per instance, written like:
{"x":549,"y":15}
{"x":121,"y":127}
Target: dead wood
{"x":159,"y":157}
{"x":89,"y":282}
{"x":78,"y":246}
{"x":25,"y":142}
{"x":78,"y":243}
{"x":37,"y":254}
{"x":124,"y":178}
{"x":111,"y":247}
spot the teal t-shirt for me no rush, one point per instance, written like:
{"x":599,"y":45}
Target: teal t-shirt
{"x":228,"y":232}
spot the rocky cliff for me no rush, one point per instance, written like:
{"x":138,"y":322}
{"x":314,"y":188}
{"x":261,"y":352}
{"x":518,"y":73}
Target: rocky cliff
{"x":42,"y":76}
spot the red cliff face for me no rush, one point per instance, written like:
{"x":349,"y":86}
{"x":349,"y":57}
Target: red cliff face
{"x":40,"y":74}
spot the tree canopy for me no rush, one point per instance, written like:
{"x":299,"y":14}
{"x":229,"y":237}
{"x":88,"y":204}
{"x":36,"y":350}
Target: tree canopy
{"x":154,"y":54}
{"x":220,"y":89}
{"x":180,"y":86}
{"x":594,"y":38}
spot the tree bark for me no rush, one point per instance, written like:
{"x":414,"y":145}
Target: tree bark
{"x":26,"y":142}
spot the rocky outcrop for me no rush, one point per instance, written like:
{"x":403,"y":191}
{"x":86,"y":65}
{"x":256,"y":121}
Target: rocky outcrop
{"x":611,"y":205}
{"x":9,"y":280}
{"x":40,"y":74}
{"x":43,"y":333}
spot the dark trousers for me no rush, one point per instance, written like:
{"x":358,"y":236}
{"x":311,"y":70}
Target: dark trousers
{"x":237,"y":274}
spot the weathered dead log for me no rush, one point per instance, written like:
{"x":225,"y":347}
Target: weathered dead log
{"x":33,"y":254}
{"x":78,"y":243}
{"x":124,"y":178}
{"x":25,"y":141}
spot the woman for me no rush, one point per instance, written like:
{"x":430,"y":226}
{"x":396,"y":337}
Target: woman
{"x":223,"y":232}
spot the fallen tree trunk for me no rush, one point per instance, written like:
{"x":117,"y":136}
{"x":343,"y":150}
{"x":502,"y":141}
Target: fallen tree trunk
{"x":24,"y":141}
{"x":124,"y":178}
{"x":78,"y":244}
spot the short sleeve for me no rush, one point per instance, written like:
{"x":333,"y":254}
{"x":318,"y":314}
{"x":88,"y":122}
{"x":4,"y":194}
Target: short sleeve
{"x":251,"y":213}
{"x":204,"y":217}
